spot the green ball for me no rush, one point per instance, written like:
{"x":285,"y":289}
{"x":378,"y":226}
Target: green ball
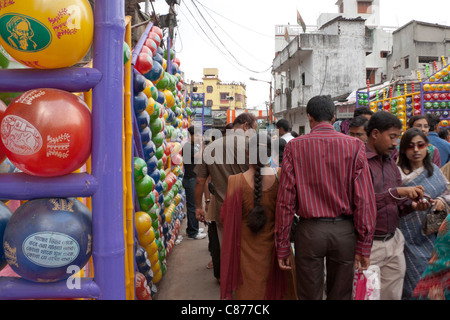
{"x":144,"y":186}
{"x":140,"y":168}
{"x":156,"y":125}
{"x":147,"y":202}
{"x":158,"y":139}
{"x":159,"y":152}
{"x":126,"y":53}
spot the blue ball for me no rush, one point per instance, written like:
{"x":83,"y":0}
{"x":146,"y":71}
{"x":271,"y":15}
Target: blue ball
{"x":159,"y":188}
{"x":155,"y":174}
{"x":149,"y":150}
{"x":155,"y":72}
{"x":152,"y":164}
{"x":140,"y":102}
{"x":5,"y":215}
{"x":44,"y":237}
{"x":146,"y":135}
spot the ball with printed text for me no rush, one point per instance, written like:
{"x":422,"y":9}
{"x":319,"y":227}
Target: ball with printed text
{"x":46,"y":132}
{"x":46,"y":34}
{"x":48,"y":239}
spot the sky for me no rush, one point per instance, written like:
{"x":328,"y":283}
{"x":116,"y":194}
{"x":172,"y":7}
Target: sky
{"x":238,"y":36}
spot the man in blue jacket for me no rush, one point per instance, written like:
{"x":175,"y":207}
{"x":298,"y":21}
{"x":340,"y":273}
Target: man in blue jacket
{"x":442,"y":145}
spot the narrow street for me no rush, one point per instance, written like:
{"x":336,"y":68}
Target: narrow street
{"x":187,"y":277}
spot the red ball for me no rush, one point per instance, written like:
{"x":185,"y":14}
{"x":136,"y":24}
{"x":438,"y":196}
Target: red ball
{"x":47,"y":132}
{"x":144,"y":63}
{"x":157,"y":30}
{"x":151,"y":45}
{"x":155,"y":37}
{"x":2,"y":111}
{"x":427,"y":96}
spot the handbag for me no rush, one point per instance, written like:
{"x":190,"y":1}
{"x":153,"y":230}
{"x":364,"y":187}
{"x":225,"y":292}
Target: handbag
{"x":366,"y":284}
{"x":434,"y":219}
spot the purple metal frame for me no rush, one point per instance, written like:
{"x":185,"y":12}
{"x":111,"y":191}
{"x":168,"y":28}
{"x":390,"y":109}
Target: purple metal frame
{"x":105,"y":184}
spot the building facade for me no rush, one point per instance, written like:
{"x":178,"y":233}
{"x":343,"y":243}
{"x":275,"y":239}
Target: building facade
{"x":217,"y":98}
{"x":418,"y":45}
{"x":329,"y":61}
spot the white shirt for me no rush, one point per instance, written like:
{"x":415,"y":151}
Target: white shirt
{"x":287,"y":136}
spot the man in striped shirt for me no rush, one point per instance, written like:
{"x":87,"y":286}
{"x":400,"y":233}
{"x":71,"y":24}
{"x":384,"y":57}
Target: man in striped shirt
{"x":325,"y":179}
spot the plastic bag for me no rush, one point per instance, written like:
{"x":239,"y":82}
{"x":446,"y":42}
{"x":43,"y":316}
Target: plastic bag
{"x":366,"y":284}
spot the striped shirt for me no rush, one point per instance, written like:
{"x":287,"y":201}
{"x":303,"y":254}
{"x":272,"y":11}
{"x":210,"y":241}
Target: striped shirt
{"x":325,"y":174}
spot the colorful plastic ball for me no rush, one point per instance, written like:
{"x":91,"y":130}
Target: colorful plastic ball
{"x":139,"y":83}
{"x":155,"y":37}
{"x":417,"y":112}
{"x":442,"y":96}
{"x":427,"y":97}
{"x":417,"y":98}
{"x":157,"y":30}
{"x":156,"y":175}
{"x":435,"y":96}
{"x":440,"y":87}
{"x":149,"y":150}
{"x":435,"y":105}
{"x":47,"y":34}
{"x":5,"y":215}
{"x":444,"y":123}
{"x":140,"y":102}
{"x":426,"y":87}
{"x":126,"y":53}
{"x":140,"y":168}
{"x":144,"y":63}
{"x":445,"y":114}
{"x":46,"y":236}
{"x":169,"y":98}
{"x":155,"y":73}
{"x":156,"y":126}
{"x":161,"y":97}
{"x":433,"y":87}
{"x":152,"y":164}
{"x":151,"y":44}
{"x":427,"y":105}
{"x":144,"y":186}
{"x":145,"y":135}
{"x":47,"y":132}
{"x":143,"y":120}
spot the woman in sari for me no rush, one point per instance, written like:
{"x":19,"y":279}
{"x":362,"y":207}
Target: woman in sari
{"x":416,"y":168}
{"x":249,"y":269}
{"x":422,"y":122}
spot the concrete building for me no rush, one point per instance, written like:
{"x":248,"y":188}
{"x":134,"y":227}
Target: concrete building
{"x":417,"y":45}
{"x":330,"y":61}
{"x":218,"y":97}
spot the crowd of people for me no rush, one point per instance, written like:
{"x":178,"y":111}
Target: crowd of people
{"x":295,"y":217}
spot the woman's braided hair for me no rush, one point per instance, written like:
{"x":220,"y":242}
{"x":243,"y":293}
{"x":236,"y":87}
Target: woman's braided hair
{"x":257,"y":216}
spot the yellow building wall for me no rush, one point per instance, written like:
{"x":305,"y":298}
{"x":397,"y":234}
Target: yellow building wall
{"x":235,"y":90}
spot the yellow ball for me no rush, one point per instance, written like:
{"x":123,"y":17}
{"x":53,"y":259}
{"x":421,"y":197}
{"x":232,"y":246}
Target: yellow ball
{"x":444,"y":123}
{"x":150,"y":106}
{"x":401,"y":108}
{"x":47,"y":34}
{"x":433,"y":87}
{"x":157,"y":276}
{"x":169,"y":98}
{"x":426,"y":87}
